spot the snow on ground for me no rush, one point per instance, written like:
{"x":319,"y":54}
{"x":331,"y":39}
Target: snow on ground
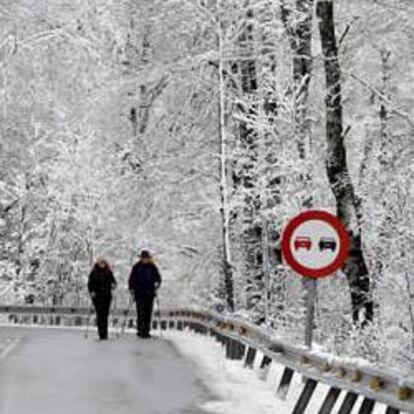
{"x":244,"y":391}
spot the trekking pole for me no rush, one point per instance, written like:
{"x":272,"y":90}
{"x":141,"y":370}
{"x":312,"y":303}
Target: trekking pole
{"x":126,"y":318}
{"x":89,"y":322}
{"x":157,"y":299}
{"x":113,"y":309}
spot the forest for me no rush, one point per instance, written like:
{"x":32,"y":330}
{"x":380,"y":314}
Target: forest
{"x":196,"y":129}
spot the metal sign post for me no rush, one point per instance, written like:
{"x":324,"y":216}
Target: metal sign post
{"x":314,"y":244}
{"x":310,"y":285}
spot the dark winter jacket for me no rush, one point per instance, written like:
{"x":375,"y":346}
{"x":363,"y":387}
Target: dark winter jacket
{"x":144,"y":279}
{"x":101,"y":282}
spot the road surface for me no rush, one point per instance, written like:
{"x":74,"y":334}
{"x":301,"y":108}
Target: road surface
{"x":52,"y":371}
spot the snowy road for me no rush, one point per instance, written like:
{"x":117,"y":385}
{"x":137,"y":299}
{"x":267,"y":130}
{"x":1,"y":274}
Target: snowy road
{"x":52,"y":371}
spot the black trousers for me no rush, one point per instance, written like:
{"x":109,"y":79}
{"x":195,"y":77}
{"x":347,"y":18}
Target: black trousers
{"x":144,"y":305}
{"x":102,"y":306}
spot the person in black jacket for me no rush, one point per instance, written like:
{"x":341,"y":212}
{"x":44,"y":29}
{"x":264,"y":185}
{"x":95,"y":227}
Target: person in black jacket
{"x":101,"y":283}
{"x":143,"y":283}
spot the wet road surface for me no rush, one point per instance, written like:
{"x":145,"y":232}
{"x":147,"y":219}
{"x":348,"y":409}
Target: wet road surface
{"x":58,"y":371}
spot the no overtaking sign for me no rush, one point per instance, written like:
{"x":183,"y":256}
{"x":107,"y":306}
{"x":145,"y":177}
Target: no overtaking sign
{"x":315,"y":244}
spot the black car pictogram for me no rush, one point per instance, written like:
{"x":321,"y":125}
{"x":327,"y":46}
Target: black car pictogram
{"x":327,"y":243}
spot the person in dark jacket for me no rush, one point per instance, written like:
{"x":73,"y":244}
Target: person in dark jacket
{"x":101,"y":283}
{"x":143,"y":283}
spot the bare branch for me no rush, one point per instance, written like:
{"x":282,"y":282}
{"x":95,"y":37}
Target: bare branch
{"x":396,"y":111}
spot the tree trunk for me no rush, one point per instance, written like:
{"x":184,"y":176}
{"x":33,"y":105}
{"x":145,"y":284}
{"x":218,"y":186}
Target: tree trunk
{"x":385,"y":140}
{"x":298,"y":23}
{"x":252,"y":224}
{"x":135,"y":61}
{"x":224,"y":209}
{"x":269,"y":187}
{"x":337,"y":169}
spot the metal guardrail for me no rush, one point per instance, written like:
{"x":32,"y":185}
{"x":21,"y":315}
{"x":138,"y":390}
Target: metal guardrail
{"x":242,"y":341}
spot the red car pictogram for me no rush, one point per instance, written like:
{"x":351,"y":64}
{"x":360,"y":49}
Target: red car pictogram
{"x":302,"y":242}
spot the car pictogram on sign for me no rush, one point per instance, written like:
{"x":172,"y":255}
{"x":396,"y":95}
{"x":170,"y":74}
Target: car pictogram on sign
{"x":327,"y":243}
{"x":302,"y":242}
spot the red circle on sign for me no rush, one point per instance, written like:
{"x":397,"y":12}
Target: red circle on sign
{"x":336,"y":224}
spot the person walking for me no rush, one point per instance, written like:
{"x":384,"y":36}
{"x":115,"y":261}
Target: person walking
{"x":144,"y":281}
{"x":101,"y":283}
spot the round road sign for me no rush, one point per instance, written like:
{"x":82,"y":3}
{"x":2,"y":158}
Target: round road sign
{"x":315,"y":244}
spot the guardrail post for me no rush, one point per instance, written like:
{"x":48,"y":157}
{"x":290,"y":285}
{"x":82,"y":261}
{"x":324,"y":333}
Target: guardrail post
{"x":305,"y":396}
{"x":229,"y":347}
{"x":220,"y":338}
{"x":392,"y":410}
{"x":367,"y":406}
{"x":198,"y":328}
{"x":284,"y":384}
{"x":348,"y":403}
{"x":202,"y":329}
{"x":264,"y":367}
{"x":214,"y":334}
{"x":250,"y":357}
{"x":234,"y":349}
{"x":240,"y":350}
{"x":330,"y":400}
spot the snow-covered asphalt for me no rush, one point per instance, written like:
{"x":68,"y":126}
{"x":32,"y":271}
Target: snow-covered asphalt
{"x":54,"y":371}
